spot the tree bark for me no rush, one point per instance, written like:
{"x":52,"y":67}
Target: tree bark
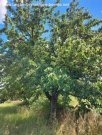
{"x":53,"y":106}
{"x":48,"y":96}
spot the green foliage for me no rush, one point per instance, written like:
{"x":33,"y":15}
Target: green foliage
{"x":68,"y":63}
{"x":55,"y":79}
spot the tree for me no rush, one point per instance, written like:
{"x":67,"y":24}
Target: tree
{"x":23,"y":34}
{"x":68,"y":63}
{"x":76,"y":47}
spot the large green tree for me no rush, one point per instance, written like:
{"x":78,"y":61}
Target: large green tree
{"x":67,"y":62}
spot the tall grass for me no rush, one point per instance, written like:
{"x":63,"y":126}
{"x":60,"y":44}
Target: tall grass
{"x":20,"y":120}
{"x":90,"y":124}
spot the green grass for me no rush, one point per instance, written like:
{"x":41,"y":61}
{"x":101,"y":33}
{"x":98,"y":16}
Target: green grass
{"x":20,"y":120}
{"x":16,"y":119}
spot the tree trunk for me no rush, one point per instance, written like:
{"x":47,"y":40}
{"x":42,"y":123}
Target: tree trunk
{"x":53,"y":106}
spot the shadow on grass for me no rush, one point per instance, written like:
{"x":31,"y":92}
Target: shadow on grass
{"x":8,"y":110}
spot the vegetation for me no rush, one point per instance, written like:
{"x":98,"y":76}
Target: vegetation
{"x":66,"y":63}
{"x":16,"y":119}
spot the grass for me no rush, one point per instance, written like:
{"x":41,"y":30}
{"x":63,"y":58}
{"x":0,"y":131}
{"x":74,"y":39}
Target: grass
{"x":20,"y":120}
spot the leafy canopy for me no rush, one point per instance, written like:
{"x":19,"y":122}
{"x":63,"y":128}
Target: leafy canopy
{"x":68,"y":62}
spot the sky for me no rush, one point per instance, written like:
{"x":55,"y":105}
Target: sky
{"x":94,"y":6}
{"x":2,"y":10}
